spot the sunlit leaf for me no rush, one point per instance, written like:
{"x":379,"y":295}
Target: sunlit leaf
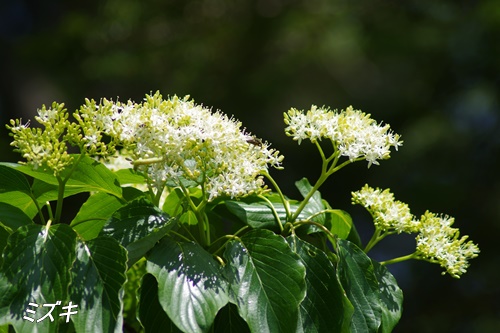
{"x":267,"y":281}
{"x":151,"y":315}
{"x":391,"y":297}
{"x":98,"y":278}
{"x":98,"y":208}
{"x":138,"y":226}
{"x":36,"y":268}
{"x":88,"y":175}
{"x":191,"y":287}
{"x":13,"y":217}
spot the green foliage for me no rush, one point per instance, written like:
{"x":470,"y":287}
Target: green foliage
{"x":194,"y":246}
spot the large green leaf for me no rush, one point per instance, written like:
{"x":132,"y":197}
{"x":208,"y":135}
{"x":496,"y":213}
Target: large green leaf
{"x":20,"y":200}
{"x":13,"y":217}
{"x":267,"y":281}
{"x":257,"y":213}
{"x":391,"y":297}
{"x":138,"y":226}
{"x":129,"y":176}
{"x":12,"y":180}
{"x":357,"y":275}
{"x":88,"y":176}
{"x":94,"y":213}
{"x":36,"y":268}
{"x":150,"y":312}
{"x":191,"y":287}
{"x":341,"y":223}
{"x":98,"y":278}
{"x":98,"y":208}
{"x":15,"y":189}
{"x":326,"y":307}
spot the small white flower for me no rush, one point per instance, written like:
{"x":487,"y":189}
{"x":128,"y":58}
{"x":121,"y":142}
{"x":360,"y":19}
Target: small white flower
{"x":440,"y":243}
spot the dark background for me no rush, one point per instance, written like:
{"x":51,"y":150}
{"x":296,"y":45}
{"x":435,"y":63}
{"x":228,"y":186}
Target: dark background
{"x":431,"y":69}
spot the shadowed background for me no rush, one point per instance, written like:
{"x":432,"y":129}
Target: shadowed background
{"x":431,"y":69}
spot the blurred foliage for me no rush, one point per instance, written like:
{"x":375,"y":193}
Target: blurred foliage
{"x":429,"y":68}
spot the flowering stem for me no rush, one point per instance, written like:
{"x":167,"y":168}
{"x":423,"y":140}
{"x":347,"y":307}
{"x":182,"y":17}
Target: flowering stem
{"x":400,"y":259}
{"x":62,"y":186}
{"x":203,"y":225}
{"x":285,"y":202}
{"x":376,"y":237}
{"x":335,"y":168}
{"x":325,"y":173}
{"x":304,"y":202}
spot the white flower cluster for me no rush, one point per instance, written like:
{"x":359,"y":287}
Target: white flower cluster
{"x":353,"y":133}
{"x":186,"y":141}
{"x":388,"y":214}
{"x":439,"y":242}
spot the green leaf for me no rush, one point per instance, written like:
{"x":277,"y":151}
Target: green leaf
{"x":20,"y":200}
{"x":357,"y":275}
{"x":12,"y":180}
{"x":13,"y":217}
{"x":174,"y":202}
{"x":191,"y":287}
{"x":257,"y":213}
{"x":341,"y":223}
{"x":44,"y":192}
{"x":129,"y":176}
{"x":150,"y":312}
{"x":267,"y":281}
{"x":98,"y":278}
{"x":391,"y":297}
{"x":88,"y":176}
{"x":326,"y":307}
{"x":188,"y":218}
{"x":94,"y":213}
{"x":138,"y":226}
{"x":98,"y":208}
{"x":36,"y":268}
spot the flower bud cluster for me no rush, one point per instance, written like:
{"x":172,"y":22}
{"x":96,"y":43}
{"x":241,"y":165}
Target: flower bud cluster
{"x":389,"y":215}
{"x":437,"y":241}
{"x":353,"y":133}
{"x":44,"y":148}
